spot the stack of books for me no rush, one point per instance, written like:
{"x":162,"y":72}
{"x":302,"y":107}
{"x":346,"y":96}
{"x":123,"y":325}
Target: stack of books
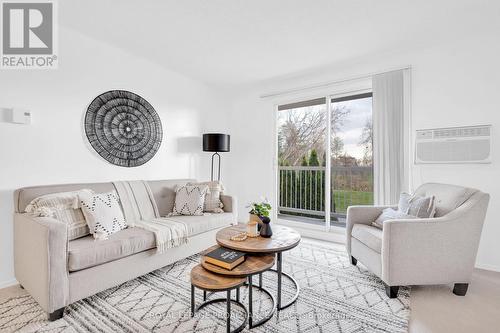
{"x":224,"y":258}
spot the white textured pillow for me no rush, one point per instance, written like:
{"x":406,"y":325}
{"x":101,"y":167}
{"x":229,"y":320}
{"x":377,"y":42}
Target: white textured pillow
{"x":212,"y":204}
{"x":64,"y":207}
{"x":189,"y":200}
{"x":409,"y":207}
{"x":390,"y":214}
{"x":103,"y":213}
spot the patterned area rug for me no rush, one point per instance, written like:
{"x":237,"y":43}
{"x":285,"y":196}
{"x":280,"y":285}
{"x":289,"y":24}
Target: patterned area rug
{"x":334,"y":297}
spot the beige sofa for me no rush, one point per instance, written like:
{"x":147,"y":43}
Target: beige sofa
{"x":58,"y":272}
{"x":438,"y":250}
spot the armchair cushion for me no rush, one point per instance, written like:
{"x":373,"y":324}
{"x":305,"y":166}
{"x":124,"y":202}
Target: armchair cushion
{"x":448,"y":197}
{"x":369,"y":236}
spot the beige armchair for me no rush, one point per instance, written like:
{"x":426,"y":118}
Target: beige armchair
{"x":437,"y":250}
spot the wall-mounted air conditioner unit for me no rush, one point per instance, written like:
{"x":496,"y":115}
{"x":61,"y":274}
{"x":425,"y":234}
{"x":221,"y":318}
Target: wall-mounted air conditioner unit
{"x":471,"y":144}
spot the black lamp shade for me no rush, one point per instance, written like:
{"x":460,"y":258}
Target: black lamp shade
{"x":216,"y":142}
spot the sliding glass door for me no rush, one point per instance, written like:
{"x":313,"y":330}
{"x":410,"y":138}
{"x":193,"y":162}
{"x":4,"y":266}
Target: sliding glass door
{"x":302,"y":136}
{"x":351,"y":170}
{"x":324,"y":158}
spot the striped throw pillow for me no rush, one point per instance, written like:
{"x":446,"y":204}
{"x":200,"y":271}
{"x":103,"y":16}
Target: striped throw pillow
{"x":213,"y":203}
{"x":64,"y":207}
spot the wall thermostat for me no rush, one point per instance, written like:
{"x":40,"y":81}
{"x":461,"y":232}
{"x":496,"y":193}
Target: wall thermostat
{"x":21,"y":116}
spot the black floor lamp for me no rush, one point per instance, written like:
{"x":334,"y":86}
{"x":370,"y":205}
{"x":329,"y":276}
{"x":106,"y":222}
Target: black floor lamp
{"x":217,"y":143}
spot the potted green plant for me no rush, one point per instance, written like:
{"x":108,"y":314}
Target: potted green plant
{"x":259,"y":209}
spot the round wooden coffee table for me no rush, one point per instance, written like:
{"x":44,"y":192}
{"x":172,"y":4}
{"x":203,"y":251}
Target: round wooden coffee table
{"x":254,"y":264}
{"x":283,"y":239}
{"x":208,"y":281}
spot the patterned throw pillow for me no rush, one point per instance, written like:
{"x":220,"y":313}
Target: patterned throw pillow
{"x":421,"y":207}
{"x":189,"y":200}
{"x":212,"y":204}
{"x":63,"y":207}
{"x":103,"y":213}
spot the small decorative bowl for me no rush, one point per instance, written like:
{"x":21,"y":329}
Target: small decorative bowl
{"x":239,"y":237}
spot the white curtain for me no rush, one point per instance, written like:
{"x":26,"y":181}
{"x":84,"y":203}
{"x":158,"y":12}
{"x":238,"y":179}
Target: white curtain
{"x":390,"y":135}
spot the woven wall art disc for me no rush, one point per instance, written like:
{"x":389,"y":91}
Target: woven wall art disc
{"x":123,"y":128}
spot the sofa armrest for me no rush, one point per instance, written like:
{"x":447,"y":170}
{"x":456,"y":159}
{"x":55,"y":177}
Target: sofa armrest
{"x":433,"y":250}
{"x":40,"y":259}
{"x":361,"y":215}
{"x":230,"y":204}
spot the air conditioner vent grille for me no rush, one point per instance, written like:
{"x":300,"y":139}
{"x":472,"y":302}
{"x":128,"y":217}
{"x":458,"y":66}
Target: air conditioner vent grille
{"x":470,"y":144}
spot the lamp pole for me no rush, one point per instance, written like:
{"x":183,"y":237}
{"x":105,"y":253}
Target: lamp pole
{"x":212,"y":170}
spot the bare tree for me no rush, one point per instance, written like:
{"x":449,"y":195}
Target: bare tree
{"x":367,"y":142}
{"x":337,"y":147}
{"x":302,"y":130}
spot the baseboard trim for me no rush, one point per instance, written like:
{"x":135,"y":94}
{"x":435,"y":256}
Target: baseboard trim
{"x":336,"y":235}
{"x":8,"y":283}
{"x":488,"y":267}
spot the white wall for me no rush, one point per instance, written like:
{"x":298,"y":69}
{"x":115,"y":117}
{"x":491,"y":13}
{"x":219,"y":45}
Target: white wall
{"x":453,"y":84}
{"x":53,"y":149}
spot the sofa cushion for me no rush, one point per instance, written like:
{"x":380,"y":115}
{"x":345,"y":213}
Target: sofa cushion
{"x":86,"y":252}
{"x":368,"y":235}
{"x":447,"y":197}
{"x":199,"y":224}
{"x":164,"y":193}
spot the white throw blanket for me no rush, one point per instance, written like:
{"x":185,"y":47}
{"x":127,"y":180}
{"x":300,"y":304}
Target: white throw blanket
{"x":168,"y":232}
{"x":140,"y":210}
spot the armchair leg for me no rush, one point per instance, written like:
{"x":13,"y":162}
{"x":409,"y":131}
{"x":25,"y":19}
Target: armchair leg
{"x":354,"y":261}
{"x":460,"y":289}
{"x":58,"y":314}
{"x":391,"y":291}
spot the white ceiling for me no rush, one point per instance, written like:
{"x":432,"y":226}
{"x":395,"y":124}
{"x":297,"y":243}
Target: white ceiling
{"x":243,"y":41}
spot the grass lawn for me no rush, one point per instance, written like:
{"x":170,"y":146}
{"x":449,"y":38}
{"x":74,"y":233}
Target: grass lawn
{"x":341,"y":200}
{"x":344,"y":199}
